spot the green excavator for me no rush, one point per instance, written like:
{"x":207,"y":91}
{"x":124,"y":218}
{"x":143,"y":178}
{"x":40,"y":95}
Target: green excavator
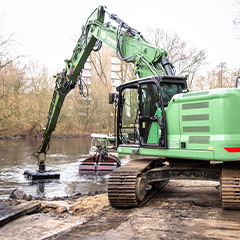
{"x":176,"y":133}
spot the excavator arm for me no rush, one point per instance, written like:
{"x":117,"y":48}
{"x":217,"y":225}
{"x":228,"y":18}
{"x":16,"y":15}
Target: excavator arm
{"x":130,"y":46}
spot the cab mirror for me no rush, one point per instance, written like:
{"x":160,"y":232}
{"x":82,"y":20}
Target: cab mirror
{"x":111,"y":98}
{"x":237,"y":82}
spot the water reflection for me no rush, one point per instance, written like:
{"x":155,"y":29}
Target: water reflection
{"x":64,"y":157}
{"x":40,"y":186}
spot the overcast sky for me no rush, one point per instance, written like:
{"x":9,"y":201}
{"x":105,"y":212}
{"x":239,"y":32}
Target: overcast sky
{"x":47,"y":29}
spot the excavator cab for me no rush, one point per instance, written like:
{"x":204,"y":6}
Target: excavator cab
{"x":141,"y":110}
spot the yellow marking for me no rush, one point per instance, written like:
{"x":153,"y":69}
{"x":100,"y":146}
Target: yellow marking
{"x":210,"y":148}
{"x":76,"y":63}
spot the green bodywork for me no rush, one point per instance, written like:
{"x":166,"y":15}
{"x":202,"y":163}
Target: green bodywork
{"x":154,"y":133}
{"x":199,"y":126}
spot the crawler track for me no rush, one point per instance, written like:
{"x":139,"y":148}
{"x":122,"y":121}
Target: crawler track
{"x":231,"y":185}
{"x":122,"y":184}
{"x":127,"y":185}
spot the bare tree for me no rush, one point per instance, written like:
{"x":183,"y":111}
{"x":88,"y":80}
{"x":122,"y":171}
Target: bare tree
{"x":187,"y":61}
{"x":101,"y":111}
{"x":12,"y":86}
{"x":7,"y":44}
{"x":220,"y":77}
{"x":236,"y":20}
{"x":38,"y":97}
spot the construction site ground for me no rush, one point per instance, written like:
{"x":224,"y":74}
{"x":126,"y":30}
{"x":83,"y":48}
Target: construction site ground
{"x":181,"y":210}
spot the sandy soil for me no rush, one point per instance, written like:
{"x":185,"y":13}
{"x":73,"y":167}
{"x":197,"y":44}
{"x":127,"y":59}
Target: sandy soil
{"x":181,"y":210}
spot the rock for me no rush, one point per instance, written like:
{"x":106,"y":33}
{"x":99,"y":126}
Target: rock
{"x":29,"y":198}
{"x":19,"y":194}
{"x":77,"y":194}
{"x":61,"y":209}
{"x":45,"y":210}
{"x":55,"y":198}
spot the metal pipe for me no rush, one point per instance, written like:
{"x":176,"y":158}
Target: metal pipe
{"x":168,"y":67}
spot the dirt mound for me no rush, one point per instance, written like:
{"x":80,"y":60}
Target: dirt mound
{"x":84,"y":206}
{"x":89,"y":205}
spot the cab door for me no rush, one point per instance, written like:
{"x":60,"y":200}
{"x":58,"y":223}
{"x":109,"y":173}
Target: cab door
{"x":152,"y":128}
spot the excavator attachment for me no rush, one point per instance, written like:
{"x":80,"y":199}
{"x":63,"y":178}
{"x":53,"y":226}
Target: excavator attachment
{"x":38,"y":174}
{"x":102,"y":157}
{"x":42,"y":172}
{"x":91,"y":165}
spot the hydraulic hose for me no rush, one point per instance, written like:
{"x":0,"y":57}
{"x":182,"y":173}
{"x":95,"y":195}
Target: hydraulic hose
{"x":168,"y":67}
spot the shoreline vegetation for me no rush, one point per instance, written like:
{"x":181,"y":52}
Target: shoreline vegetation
{"x":26,"y":90}
{"x":25,"y":97}
{"x":40,"y":136}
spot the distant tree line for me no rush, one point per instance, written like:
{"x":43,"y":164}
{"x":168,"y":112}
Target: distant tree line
{"x":26,"y":91}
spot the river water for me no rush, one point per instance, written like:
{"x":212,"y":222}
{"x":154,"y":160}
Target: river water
{"x":64,"y":156}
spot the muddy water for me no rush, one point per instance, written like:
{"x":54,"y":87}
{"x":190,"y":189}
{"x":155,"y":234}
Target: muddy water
{"x":64,"y":156}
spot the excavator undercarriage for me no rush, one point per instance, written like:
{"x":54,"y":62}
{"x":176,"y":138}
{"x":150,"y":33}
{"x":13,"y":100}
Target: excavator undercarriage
{"x":134,"y":183}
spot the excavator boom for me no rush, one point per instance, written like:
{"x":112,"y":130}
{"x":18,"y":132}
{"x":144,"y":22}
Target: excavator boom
{"x":129,"y":45}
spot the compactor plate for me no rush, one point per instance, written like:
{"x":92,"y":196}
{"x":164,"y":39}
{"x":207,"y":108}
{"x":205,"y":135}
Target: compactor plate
{"x":33,"y":174}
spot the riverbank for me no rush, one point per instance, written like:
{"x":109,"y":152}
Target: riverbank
{"x":53,"y":136}
{"x":181,"y":210}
